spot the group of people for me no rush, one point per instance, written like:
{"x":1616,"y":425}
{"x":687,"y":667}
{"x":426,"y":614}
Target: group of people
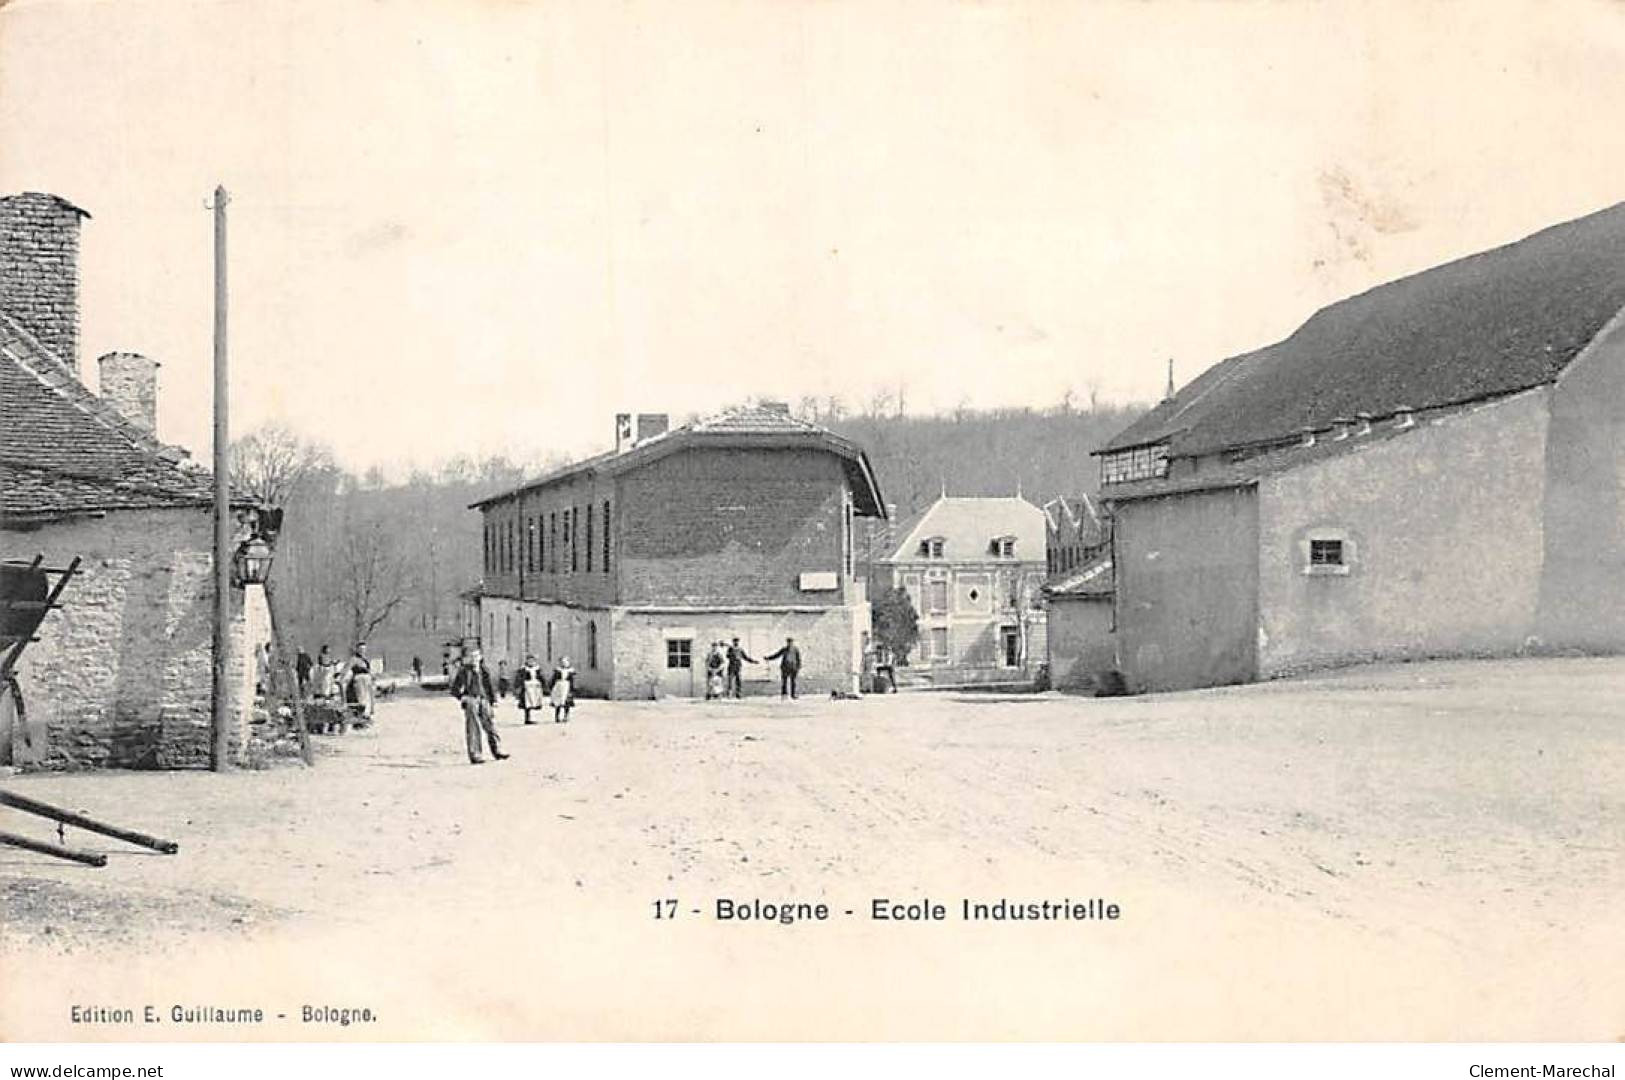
{"x":532,"y":688}
{"x":328,"y":681}
{"x":725,"y":668}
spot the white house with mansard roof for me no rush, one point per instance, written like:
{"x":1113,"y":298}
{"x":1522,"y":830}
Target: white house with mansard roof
{"x":974,"y":569}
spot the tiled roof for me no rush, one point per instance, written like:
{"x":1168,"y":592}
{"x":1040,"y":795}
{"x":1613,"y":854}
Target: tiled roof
{"x":64,"y":450}
{"x":1093,"y":579}
{"x":755,"y":420}
{"x":968,"y":526}
{"x":750,"y":425}
{"x":1487,"y":325}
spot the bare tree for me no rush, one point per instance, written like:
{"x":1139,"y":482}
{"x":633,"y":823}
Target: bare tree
{"x":374,"y":577}
{"x":270,"y":463}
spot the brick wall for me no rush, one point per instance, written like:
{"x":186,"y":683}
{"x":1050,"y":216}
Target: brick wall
{"x":39,"y":270}
{"x":546,"y":527}
{"x":122,"y":674}
{"x":731,"y":526}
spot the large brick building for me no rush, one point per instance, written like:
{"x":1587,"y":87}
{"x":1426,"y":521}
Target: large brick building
{"x":974,"y":570}
{"x":632,"y":562}
{"x":122,"y":674}
{"x":1435,"y":467}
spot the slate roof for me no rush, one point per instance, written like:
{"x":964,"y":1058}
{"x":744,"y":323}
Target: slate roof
{"x":742,"y":426}
{"x":968,"y":525}
{"x":63,"y":450}
{"x":1487,"y":325}
{"x":1093,"y":580}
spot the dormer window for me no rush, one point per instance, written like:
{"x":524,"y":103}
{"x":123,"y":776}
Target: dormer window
{"x":931,"y":548}
{"x":1003,"y":546}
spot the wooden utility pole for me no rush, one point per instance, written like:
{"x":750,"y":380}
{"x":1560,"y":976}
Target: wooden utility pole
{"x":220,"y":718}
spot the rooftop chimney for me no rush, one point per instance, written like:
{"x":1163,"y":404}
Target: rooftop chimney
{"x":623,"y":431}
{"x":130,"y":385}
{"x":652,"y":424}
{"x":39,"y":270}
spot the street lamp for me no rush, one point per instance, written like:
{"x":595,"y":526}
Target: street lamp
{"x":251,"y":564}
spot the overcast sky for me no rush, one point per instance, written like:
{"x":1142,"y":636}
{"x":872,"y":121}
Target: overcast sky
{"x":481,"y":227}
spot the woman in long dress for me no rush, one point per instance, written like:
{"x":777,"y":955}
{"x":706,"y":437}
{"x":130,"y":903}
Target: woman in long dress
{"x":562,"y":693}
{"x":530,"y":687}
{"x":360,"y":688}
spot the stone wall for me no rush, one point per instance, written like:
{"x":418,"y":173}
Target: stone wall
{"x":129,"y":383}
{"x":1442,"y":536}
{"x":39,"y":270}
{"x":1082,"y":646}
{"x":831,"y":643}
{"x":122,"y":673}
{"x":508,"y":629}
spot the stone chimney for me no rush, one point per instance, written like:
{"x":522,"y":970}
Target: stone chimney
{"x":652,"y":424}
{"x":130,"y":385}
{"x":39,"y":269}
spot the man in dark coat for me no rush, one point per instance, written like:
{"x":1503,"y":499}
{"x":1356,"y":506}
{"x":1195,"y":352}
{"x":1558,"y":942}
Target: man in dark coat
{"x":302,"y":665}
{"x":472,"y":686}
{"x":737,"y":659}
{"x":789,"y":659}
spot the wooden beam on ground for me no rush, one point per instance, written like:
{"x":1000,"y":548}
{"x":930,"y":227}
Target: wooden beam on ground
{"x":80,"y":821}
{"x":43,"y":848}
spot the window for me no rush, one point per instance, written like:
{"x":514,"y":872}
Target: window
{"x":590,"y":516}
{"x":550,"y":640}
{"x":1004,"y":547}
{"x":936,"y":595}
{"x":1139,"y":463}
{"x":606,"y":536}
{"x":939,"y":643}
{"x":1326,"y":553}
{"x":541,"y":543}
{"x":572,"y":531}
{"x":679,"y":653}
{"x":592,"y":645}
{"x":553,"y":540}
{"x":931,"y":548}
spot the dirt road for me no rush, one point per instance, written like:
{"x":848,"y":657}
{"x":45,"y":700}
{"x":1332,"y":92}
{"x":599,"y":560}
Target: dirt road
{"x":1412,"y":852}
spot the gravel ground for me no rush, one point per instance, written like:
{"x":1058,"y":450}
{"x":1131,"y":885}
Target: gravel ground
{"x":1424,"y":851}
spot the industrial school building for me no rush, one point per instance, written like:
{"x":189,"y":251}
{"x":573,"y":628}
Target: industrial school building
{"x":633,"y":562}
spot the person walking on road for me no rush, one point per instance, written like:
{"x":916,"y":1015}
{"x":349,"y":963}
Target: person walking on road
{"x":302,"y":667}
{"x":737,"y":659}
{"x":789,"y":659}
{"x":530,"y":687}
{"x":473,"y":688}
{"x":562,"y":692}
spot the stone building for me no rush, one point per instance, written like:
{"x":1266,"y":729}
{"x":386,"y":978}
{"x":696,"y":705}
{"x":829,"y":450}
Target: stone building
{"x":974,"y":570}
{"x":632,"y":562}
{"x":1082,"y":630}
{"x":1435,"y":467}
{"x":121,"y":674}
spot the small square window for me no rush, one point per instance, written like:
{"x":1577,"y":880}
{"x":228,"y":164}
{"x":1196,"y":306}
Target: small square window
{"x":1326,"y":553}
{"x":679,"y":653}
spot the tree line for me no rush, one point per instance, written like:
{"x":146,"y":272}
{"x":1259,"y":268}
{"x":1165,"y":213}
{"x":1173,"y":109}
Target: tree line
{"x":361,"y":557}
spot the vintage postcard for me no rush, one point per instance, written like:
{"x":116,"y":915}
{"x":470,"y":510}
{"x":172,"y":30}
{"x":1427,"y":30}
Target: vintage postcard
{"x":1010,"y":521}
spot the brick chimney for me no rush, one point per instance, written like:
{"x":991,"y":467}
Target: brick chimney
{"x":130,"y":385}
{"x":652,"y":424}
{"x":39,"y":269}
